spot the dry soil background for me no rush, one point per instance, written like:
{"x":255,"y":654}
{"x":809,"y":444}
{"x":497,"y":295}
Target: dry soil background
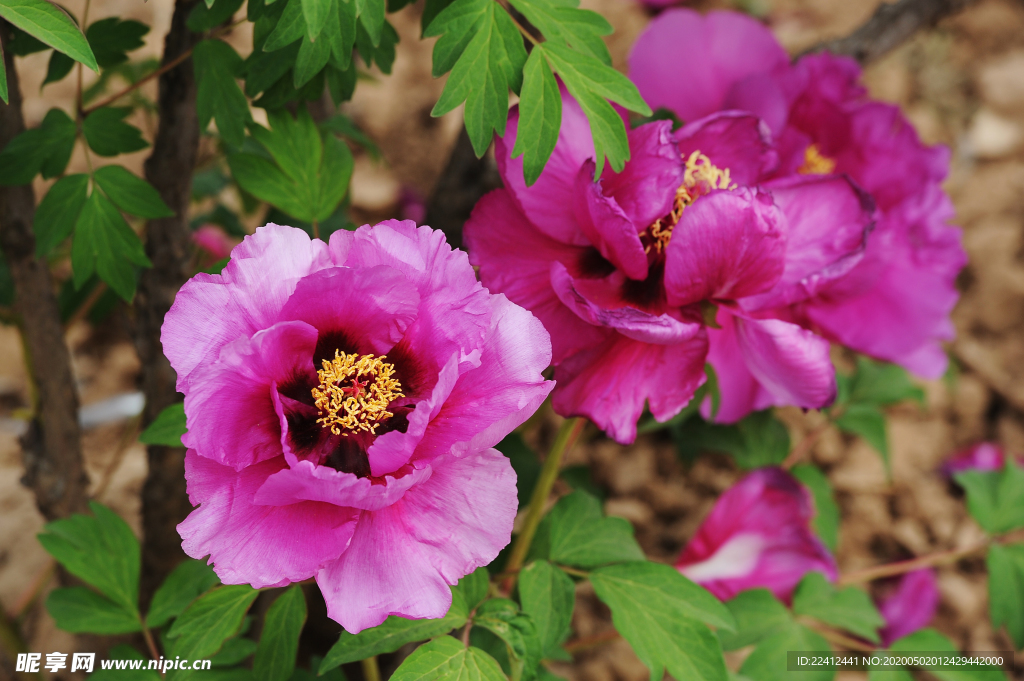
{"x":962,"y":85}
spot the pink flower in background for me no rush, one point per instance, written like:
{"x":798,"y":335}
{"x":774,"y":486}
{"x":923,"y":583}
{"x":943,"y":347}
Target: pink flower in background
{"x":214,"y":241}
{"x":758,"y":535}
{"x":628,"y":273}
{"x":983,"y":456}
{"x":895,"y":304}
{"x":343,"y":400}
{"x":910,"y":606}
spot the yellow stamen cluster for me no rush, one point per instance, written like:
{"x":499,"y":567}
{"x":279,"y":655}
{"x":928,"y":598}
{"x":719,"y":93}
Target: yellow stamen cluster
{"x":354,"y":392}
{"x":700,"y":177}
{"x":815,"y":163}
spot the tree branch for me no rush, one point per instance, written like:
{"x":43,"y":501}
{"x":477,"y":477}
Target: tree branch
{"x":890,"y":26}
{"x":168,"y":245}
{"x":51,"y":448}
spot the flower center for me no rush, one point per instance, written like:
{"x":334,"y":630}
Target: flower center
{"x":355,"y":391}
{"x":815,"y":163}
{"x":700,"y":177}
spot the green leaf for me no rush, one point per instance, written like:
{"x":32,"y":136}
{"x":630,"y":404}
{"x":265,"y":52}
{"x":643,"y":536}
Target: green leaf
{"x":59,"y":66}
{"x":45,"y":149}
{"x":548,"y":596}
{"x":560,"y":20}
{"x":576,"y":533}
{"x":757,"y":441}
{"x":540,"y":117}
{"x":758,"y":614}
{"x":130,"y":193}
{"x":340,"y":33}
{"x":3,"y":76}
{"x":484,"y":51}
{"x":203,"y":18}
{"x":111,"y":39}
{"x":124,"y":651}
{"x":868,"y":422}
{"x":382,"y":54}
{"x":880,"y":384}
{"x":50,"y":24}
{"x":371,"y":18}
{"x":106,"y":245}
{"x":929,"y":640}
{"x":218,"y":96}
{"x":201,"y":630}
{"x":58,"y":212}
{"x":850,"y":608}
{"x":346,"y":127}
{"x":82,"y":611}
{"x":185,"y":583}
{"x":108,"y":135}
{"x":312,"y":58}
{"x":826,"y":518}
{"x":279,"y":643}
{"x":1006,"y":589}
{"x":654,"y":608}
{"x":591,"y":82}
{"x":100,"y":550}
{"x":524,"y":462}
{"x":234,"y":651}
{"x":474,"y":587}
{"x":768,"y":661}
{"x":995,"y":499}
{"x":316,"y":13}
{"x":167,"y":428}
{"x":394,"y":633}
{"x":502,"y":617}
{"x":445,"y":659}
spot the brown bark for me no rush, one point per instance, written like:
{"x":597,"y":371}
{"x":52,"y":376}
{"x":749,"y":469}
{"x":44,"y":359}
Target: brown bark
{"x":51,"y":448}
{"x":169,"y":169}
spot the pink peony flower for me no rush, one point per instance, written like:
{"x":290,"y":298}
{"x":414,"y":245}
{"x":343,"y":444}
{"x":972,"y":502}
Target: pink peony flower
{"x":213,"y":240}
{"x":343,"y":400}
{"x":983,"y":456}
{"x":758,"y":535}
{"x":910,"y":606}
{"x":895,"y":304}
{"x":628,"y":272}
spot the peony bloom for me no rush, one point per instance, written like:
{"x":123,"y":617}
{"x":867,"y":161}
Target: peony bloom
{"x":758,"y":535}
{"x":631,"y":274}
{"x":212,"y":240}
{"x":343,"y":400}
{"x":911,"y":605}
{"x":895,"y":304}
{"x":983,"y":456}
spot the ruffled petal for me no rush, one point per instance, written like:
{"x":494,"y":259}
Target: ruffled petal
{"x":731,"y":140}
{"x":607,"y":226}
{"x":727,"y":245}
{"x":739,"y":391}
{"x":304,"y":481}
{"x":647,"y":184}
{"x":253,"y":544}
{"x":911,"y":606}
{"x":402,"y":558}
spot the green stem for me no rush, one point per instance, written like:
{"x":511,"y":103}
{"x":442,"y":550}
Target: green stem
{"x":371,"y":670}
{"x":564,"y":441}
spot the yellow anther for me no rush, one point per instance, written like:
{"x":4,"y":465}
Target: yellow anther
{"x":815,"y":163}
{"x":700,"y":177}
{"x":354,"y":392}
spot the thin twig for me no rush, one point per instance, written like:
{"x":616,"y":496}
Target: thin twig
{"x":86,"y":305}
{"x":803,"y":448}
{"x":150,"y":643}
{"x":585,"y":642}
{"x":32,"y":593}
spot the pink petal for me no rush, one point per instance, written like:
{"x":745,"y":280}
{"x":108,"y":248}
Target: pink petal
{"x":304,"y":481}
{"x":647,"y":184}
{"x":253,"y":544}
{"x":607,"y":226}
{"x":402,"y":558}
{"x":727,"y":245}
{"x":911,"y":606}
{"x":732,"y":140}
{"x":739,"y":391}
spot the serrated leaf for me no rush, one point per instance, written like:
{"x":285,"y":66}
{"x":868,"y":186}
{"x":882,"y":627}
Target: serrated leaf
{"x":757,"y":614}
{"x":445,"y":659}
{"x":868,"y":422}
{"x":111,"y":39}
{"x":185,"y":583}
{"x":50,"y":24}
{"x":653,"y":607}
{"x":82,"y":611}
{"x":58,"y":212}
{"x":540,"y":117}
{"x":768,"y":660}
{"x":394,"y":633}
{"x":371,"y":17}
{"x":108,"y":135}
{"x":130,"y":193}
{"x":218,"y":96}
{"x":561,"y":20}
{"x":516,"y":631}
{"x":210,"y":620}
{"x":548,"y":596}
{"x":1006,"y":589}
{"x":485,"y":53}
{"x":279,"y":643}
{"x":995,"y":499}
{"x":474,"y":587}
{"x":757,"y":441}
{"x":826,"y":517}
{"x":576,"y":533}
{"x":45,"y":150}
{"x":850,"y":608}
{"x":204,"y":17}
{"x":167,"y":428}
{"x":100,"y":550}
{"x":106,"y":245}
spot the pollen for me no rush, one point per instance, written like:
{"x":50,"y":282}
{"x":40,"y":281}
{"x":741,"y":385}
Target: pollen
{"x":815,"y":163}
{"x":354,"y":392}
{"x":700,"y":177}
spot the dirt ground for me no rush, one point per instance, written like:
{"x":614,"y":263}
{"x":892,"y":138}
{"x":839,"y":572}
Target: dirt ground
{"x":961,"y":84}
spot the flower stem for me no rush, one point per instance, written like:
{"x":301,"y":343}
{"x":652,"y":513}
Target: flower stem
{"x":371,"y":670}
{"x":567,"y":436}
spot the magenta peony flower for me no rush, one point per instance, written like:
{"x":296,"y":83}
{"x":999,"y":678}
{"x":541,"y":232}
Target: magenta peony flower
{"x":343,"y":400}
{"x":910,"y":606}
{"x":983,"y":456}
{"x":213,"y":241}
{"x":627,"y":273}
{"x":895,"y":304}
{"x":758,"y":535}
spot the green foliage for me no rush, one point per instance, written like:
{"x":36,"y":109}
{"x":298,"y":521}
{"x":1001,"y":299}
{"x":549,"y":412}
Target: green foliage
{"x":524,"y":462}
{"x":392,"y":635}
{"x":279,"y":643}
{"x":757,"y":614}
{"x":218,"y":96}
{"x":662,"y":615}
{"x":202,"y":628}
{"x":995,"y":499}
{"x":3,"y":76}
{"x":108,"y":135}
{"x":58,"y":211}
{"x":46,"y":149}
{"x":826,"y":518}
{"x":130,"y":193}
{"x":203,"y":18}
{"x":82,"y":611}
{"x":577,"y":533}
{"x":758,"y":440}
{"x":867,"y":421}
{"x":767,"y":662}
{"x":234,"y":651}
{"x":540,"y":116}
{"x":563,"y":22}
{"x":929,"y":640}
{"x":187,"y":581}
{"x":106,"y":245}
{"x":516,"y":631}
{"x":1006,"y":589}
{"x":848,"y":608}
{"x":446,"y":659}
{"x":474,"y":587}
{"x":50,"y":24}
{"x":548,"y":596}
{"x":113,"y":38}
